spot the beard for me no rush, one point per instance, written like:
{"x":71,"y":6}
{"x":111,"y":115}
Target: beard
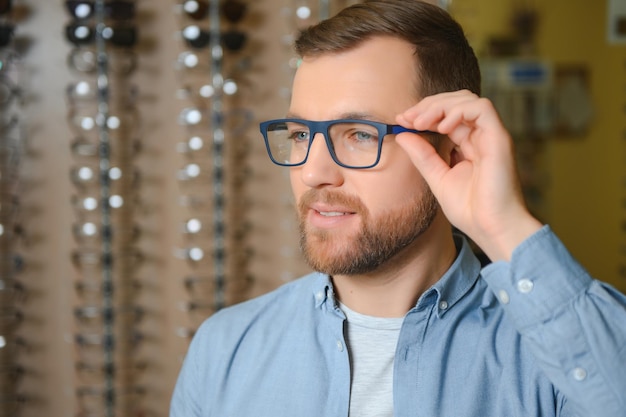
{"x":376,"y":242}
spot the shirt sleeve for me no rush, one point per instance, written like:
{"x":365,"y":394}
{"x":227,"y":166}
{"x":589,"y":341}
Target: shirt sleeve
{"x":575,"y":325}
{"x":184,"y":402}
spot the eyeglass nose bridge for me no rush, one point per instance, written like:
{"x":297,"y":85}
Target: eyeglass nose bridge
{"x":322,"y":128}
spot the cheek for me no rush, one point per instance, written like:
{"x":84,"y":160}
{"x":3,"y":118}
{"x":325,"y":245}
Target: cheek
{"x":388,"y":189}
{"x":297,"y":187}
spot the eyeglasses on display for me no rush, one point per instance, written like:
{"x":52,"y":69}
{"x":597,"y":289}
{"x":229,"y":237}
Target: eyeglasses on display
{"x":85,"y":119}
{"x":81,"y":34}
{"x":113,"y":9}
{"x":84,"y":92}
{"x":196,"y":37}
{"x":96,"y":315}
{"x":84,"y":147}
{"x":84,"y":59}
{"x":93,"y":398}
{"x":91,"y":289}
{"x":93,"y":373}
{"x":90,"y":232}
{"x":85,"y":258}
{"x":87,"y":176}
{"x":232,"y":10}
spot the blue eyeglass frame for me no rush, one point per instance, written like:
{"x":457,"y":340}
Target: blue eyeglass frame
{"x":323,"y":127}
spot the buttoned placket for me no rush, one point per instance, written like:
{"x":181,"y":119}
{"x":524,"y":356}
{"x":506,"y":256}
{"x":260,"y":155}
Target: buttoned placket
{"x":406,"y":376}
{"x":325,"y":302}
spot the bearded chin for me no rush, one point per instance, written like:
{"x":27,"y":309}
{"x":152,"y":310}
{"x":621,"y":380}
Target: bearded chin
{"x":378,"y":240}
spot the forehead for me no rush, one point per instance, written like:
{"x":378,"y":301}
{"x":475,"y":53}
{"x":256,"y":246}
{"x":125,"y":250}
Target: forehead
{"x":378,"y":77}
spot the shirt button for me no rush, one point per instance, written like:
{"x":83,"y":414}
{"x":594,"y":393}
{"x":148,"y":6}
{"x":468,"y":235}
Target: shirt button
{"x":503,"y":296}
{"x":443,"y":305}
{"x":579,"y":374}
{"x":525,"y":285}
{"x":339,"y":346}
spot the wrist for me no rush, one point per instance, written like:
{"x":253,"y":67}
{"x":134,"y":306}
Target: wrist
{"x":500,"y":246}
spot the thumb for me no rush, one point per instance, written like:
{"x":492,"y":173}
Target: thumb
{"x":425,"y":157}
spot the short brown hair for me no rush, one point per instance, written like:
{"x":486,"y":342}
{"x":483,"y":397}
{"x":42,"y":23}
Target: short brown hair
{"x":445,"y":60}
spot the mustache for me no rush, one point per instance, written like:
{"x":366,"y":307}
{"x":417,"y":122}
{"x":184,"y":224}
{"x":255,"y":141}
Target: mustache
{"x":331,"y":198}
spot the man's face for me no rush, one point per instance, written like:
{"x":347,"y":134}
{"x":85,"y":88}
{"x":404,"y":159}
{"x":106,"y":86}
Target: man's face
{"x":353,"y":221}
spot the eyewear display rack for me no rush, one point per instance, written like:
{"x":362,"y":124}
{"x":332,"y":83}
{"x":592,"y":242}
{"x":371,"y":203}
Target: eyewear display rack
{"x":103,"y":116}
{"x":210,"y":70}
{"x":12,"y":149}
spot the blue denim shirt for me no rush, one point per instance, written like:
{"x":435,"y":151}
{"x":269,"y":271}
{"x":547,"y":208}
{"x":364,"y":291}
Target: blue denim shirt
{"x":534,"y":337}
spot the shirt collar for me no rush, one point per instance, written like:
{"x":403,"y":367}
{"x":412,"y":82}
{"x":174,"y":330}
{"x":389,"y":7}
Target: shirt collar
{"x":322,"y":289}
{"x":450,"y":288}
{"x":456,"y":282}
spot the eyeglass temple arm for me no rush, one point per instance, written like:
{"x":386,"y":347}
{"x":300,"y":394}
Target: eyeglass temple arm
{"x":395,"y":129}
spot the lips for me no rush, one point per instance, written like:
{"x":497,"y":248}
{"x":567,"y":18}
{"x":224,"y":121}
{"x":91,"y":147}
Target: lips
{"x":322,"y":209}
{"x":329,"y":211}
{"x":324,"y":217}
{"x":332,"y":213}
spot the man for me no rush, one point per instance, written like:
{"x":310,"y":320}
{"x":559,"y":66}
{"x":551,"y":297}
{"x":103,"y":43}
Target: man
{"x":400,"y":320}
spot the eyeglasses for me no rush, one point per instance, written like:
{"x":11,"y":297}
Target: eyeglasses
{"x":352,"y":143}
{"x":82,"y":34}
{"x":83,"y":120}
{"x":232,"y":10}
{"x":90,"y":340}
{"x":90,"y":233}
{"x":85,"y":60}
{"x":87,"y":259}
{"x":91,"y":373}
{"x":198,"y":38}
{"x":92,"y":315}
{"x":92,"y":290}
{"x":83,"y":147}
{"x":83,"y":92}
{"x":196,"y":9}
{"x":113,"y":9}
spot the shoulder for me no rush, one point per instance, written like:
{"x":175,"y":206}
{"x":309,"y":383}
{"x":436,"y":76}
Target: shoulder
{"x":295,"y":294}
{"x":272,"y":310}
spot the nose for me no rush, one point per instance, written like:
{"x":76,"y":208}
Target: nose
{"x":320,"y":169}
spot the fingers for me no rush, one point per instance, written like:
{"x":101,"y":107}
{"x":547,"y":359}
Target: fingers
{"x":431,"y":165}
{"x":454,"y":114}
{"x":471,"y":122}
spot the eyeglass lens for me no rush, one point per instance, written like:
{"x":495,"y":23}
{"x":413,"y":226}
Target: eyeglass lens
{"x":353,"y":144}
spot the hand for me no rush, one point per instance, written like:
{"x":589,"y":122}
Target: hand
{"x":478,"y":189}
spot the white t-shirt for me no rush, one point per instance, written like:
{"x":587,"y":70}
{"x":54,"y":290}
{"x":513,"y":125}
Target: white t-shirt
{"x":372,"y":345}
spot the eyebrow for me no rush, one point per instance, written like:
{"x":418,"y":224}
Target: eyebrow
{"x":351,"y":116}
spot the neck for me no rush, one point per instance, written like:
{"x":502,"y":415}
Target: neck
{"x":394,"y":288}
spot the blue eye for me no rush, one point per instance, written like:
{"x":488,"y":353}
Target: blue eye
{"x":365,"y":136}
{"x":299,"y":136}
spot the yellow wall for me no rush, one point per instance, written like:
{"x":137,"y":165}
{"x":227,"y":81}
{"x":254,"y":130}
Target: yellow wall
{"x":584,"y":191}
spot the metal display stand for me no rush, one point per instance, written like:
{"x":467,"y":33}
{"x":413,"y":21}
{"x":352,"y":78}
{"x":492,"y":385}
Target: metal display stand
{"x":105,"y":179}
{"x":11,"y":289}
